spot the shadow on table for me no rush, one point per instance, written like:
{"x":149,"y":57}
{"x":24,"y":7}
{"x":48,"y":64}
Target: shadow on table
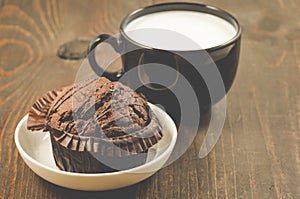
{"x":124,"y":193}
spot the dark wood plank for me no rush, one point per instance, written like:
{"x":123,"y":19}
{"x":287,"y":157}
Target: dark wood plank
{"x":258,"y":153}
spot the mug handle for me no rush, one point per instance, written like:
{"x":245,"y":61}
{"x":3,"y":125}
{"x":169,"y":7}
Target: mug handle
{"x":113,"y":76}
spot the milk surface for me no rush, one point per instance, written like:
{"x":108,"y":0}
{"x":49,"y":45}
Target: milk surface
{"x":180,"y":30}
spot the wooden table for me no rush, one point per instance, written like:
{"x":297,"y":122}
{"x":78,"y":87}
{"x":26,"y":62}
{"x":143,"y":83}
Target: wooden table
{"x":258,"y":154}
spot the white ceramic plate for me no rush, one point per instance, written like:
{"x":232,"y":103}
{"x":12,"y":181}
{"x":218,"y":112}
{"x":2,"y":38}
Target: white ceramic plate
{"x":35,"y":149}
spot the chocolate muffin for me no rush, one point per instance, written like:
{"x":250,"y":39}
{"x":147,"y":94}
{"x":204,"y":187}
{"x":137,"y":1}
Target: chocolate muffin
{"x":96,"y":126}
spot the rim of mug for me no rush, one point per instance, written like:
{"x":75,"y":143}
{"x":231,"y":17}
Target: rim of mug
{"x":187,"y":6}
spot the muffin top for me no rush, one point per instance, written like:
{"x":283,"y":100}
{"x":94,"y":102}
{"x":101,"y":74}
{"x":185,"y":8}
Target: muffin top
{"x":94,"y":114}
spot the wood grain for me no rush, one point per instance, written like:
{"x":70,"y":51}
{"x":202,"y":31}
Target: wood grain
{"x":258,"y":153}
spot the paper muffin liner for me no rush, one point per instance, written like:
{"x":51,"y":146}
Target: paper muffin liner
{"x":72,"y":161}
{"x":38,"y":113}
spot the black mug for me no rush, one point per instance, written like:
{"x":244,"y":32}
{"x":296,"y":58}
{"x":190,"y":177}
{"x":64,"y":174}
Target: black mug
{"x":224,"y":57}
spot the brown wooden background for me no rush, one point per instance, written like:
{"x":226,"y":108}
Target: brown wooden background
{"x":258,"y":154}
